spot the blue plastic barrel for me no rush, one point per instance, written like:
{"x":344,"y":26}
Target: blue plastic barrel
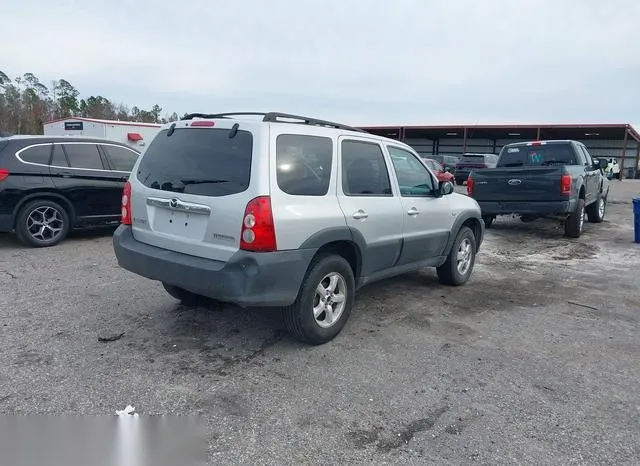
{"x":636,"y":218}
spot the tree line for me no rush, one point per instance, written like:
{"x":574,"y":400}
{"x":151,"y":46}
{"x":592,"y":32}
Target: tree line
{"x":26,"y":104}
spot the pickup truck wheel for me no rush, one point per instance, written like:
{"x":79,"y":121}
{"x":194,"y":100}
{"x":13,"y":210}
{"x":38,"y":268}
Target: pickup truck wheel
{"x":324,"y":301}
{"x":488,"y":220}
{"x":575,"y":222}
{"x":596,"y":211}
{"x":185,"y":297}
{"x":459,"y":265}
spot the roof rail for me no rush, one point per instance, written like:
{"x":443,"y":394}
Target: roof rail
{"x":275,"y":117}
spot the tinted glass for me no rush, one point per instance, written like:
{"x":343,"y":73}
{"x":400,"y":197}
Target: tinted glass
{"x":83,"y":156}
{"x":587,"y":156}
{"x":414,"y":179}
{"x":37,"y":154}
{"x":433,"y":165}
{"x":537,"y":156}
{"x":364,"y":172}
{"x":120,"y":158}
{"x":59,"y":159}
{"x":205,"y":162}
{"x":303,"y":164}
{"x":473,"y":159}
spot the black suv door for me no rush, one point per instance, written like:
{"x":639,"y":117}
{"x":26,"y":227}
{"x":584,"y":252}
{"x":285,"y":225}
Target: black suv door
{"x":80,"y":173}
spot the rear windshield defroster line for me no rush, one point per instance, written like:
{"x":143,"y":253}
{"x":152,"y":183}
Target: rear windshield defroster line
{"x":202,"y":161}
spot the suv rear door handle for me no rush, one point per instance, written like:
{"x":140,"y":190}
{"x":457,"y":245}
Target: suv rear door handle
{"x":413,"y":211}
{"x":65,"y":174}
{"x":360,"y":215}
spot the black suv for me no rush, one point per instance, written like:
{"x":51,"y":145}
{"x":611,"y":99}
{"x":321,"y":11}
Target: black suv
{"x":49,"y":185}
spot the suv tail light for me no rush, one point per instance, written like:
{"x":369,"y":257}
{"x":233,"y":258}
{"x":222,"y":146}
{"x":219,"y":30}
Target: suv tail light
{"x":470,"y":186}
{"x":258,"y":232}
{"x":4,"y":173}
{"x":565,"y":184}
{"x":126,"y":204}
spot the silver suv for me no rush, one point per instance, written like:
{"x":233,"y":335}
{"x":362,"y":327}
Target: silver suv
{"x":289,"y":212}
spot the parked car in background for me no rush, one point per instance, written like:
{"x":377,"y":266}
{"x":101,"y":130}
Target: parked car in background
{"x":288,"y":212}
{"x":470,"y":162}
{"x":49,"y":185}
{"x":543,"y":179}
{"x":439,"y":171}
{"x":448,"y":162}
{"x":612,"y":170}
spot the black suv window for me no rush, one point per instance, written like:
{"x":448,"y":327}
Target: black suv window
{"x":206,"y":162}
{"x":303,"y":164}
{"x":542,"y":155}
{"x":37,"y":154}
{"x":59,"y":159}
{"x":414,"y":179}
{"x":120,"y":158}
{"x":364,"y":172}
{"x":83,"y":156}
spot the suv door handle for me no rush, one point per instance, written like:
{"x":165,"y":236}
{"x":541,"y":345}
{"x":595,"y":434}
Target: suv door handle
{"x":65,"y":174}
{"x":413,"y":211}
{"x":360,"y":215}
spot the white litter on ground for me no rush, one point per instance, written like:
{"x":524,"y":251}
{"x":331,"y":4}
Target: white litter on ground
{"x":128,"y":411}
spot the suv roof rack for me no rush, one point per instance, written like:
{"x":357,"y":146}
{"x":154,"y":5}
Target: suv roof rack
{"x":275,"y":117}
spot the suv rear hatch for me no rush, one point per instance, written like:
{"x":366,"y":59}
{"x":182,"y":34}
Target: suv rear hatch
{"x":525,"y":173}
{"x":192,"y":186}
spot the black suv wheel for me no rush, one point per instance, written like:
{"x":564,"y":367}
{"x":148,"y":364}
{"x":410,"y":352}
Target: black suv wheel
{"x":42,"y":223}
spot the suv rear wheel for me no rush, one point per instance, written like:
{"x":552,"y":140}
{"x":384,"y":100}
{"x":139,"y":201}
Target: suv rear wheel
{"x":185,"y":297}
{"x":42,"y":223}
{"x":324,"y":301}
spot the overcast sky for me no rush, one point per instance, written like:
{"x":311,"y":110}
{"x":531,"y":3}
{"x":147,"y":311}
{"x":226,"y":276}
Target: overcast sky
{"x":357,"y":61}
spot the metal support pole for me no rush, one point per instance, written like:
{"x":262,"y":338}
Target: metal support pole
{"x":493,"y":151}
{"x":624,"y":153}
{"x":637,"y":170}
{"x":464,"y":143}
{"x":538,"y":135}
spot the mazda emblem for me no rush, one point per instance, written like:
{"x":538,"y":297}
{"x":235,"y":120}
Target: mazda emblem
{"x":174,"y":202}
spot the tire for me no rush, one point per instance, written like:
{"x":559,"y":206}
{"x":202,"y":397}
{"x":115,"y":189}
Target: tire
{"x":185,"y":297}
{"x":488,"y":220}
{"x":453,"y":272}
{"x":42,"y":223}
{"x":596,"y":211}
{"x":314,"y":326}
{"x":575,"y":222}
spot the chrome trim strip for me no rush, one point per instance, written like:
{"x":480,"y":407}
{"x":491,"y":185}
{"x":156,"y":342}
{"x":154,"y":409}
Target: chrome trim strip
{"x":179,"y":206}
{"x":17,"y":154}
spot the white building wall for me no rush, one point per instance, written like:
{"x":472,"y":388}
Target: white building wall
{"x":118,"y":132}
{"x":89,"y":128}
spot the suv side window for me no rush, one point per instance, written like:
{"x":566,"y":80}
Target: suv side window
{"x":413,"y":177}
{"x":364,"y":171}
{"x":37,"y":154}
{"x":59,"y":159}
{"x":83,"y":156}
{"x":120,"y":158}
{"x":303,"y":164}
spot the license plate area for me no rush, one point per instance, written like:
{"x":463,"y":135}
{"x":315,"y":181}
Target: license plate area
{"x":178,"y":218}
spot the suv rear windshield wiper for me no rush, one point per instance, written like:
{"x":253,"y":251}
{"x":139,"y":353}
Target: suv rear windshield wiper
{"x":203,"y":181}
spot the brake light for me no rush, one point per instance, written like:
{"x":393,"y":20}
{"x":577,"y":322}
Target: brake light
{"x":536,"y":143}
{"x":202,"y":123}
{"x":470,"y":186}
{"x":258,"y":232}
{"x":126,"y":204}
{"x":4,"y":173}
{"x":565,"y":184}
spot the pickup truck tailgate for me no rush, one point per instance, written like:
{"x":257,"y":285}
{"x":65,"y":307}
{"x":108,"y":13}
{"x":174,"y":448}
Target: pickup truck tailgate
{"x":518,"y":184}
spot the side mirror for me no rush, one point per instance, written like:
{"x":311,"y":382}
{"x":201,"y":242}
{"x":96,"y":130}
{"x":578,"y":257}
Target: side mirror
{"x":446,"y":188}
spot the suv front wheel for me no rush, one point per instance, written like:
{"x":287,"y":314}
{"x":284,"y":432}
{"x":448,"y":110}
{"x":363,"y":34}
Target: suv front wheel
{"x":324,"y":301}
{"x":42,"y":223}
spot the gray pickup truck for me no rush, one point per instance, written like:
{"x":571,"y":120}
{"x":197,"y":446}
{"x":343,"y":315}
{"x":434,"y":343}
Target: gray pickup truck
{"x":543,"y":179}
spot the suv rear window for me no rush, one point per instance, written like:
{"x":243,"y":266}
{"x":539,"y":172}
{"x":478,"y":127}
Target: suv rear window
{"x":537,"y":156}
{"x":304,"y":164}
{"x":205,"y":162}
{"x":474,"y":159}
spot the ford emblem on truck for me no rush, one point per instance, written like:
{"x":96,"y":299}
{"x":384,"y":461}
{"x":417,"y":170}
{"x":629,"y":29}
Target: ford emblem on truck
{"x":514,"y":182}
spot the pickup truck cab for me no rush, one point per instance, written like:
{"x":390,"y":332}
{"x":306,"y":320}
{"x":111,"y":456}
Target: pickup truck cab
{"x":543,"y":179}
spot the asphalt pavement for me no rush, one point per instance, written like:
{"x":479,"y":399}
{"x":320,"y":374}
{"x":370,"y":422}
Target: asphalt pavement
{"x":535,"y":361}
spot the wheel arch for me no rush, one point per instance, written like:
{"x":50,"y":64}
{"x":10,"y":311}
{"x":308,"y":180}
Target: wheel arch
{"x":342,"y":241}
{"x":45,"y":195}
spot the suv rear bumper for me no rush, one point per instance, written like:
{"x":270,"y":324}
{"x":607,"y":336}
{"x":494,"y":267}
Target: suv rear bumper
{"x":527,"y":208}
{"x":6,"y":223}
{"x":247,"y":279}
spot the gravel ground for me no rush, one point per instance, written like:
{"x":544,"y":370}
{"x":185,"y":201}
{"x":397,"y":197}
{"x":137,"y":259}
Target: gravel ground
{"x":535,"y":361}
